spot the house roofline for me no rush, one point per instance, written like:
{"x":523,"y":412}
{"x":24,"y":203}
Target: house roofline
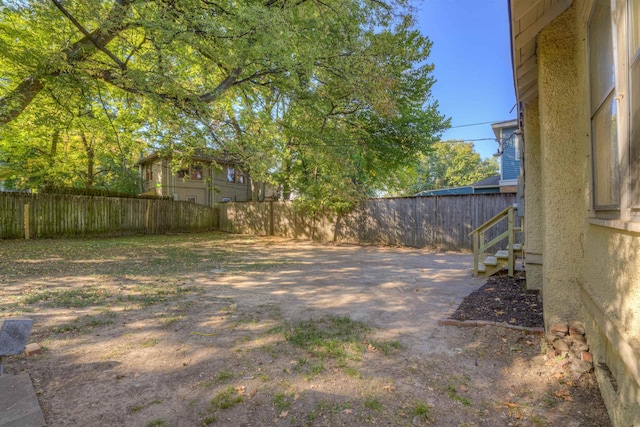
{"x":198,"y":157}
{"x":498,"y":126}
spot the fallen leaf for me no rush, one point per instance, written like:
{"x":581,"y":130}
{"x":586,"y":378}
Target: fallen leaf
{"x":347,"y":411}
{"x":463,"y":388}
{"x":511,"y":405}
{"x":283,"y":414}
{"x":563,"y":394}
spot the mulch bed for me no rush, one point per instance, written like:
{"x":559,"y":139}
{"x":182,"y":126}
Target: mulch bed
{"x":502,"y":299}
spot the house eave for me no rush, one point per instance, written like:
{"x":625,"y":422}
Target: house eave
{"x":526,"y":19}
{"x":498,"y":126}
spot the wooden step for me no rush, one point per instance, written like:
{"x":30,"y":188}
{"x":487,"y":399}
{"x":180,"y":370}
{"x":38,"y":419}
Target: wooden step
{"x":502,"y":254}
{"x":491,"y":260}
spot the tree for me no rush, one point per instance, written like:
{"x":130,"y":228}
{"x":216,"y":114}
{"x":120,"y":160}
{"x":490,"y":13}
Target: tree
{"x":322,"y":98}
{"x":449,"y":164}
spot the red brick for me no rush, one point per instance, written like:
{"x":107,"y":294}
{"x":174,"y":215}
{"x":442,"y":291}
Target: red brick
{"x":32,"y":348}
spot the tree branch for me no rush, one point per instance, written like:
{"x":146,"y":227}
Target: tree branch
{"x":14,"y":103}
{"x":224,"y":85}
{"x":87,"y":34}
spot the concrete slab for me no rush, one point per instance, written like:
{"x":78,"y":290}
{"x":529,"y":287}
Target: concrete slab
{"x":19,"y":405}
{"x":14,"y":334}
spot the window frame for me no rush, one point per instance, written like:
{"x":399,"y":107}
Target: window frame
{"x":149,"y":172}
{"x":196,"y":172}
{"x":632,"y":58}
{"x":231,"y":174}
{"x":597,"y":106}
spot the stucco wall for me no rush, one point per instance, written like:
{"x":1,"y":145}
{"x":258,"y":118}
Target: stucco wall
{"x":561,"y":152}
{"x":611,"y":305}
{"x":591,"y":269}
{"x":534,"y":224}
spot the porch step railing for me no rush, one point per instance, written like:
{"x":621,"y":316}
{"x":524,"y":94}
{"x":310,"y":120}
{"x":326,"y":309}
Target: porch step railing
{"x":488,"y":265}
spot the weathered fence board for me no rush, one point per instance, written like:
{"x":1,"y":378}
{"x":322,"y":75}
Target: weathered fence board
{"x":63,"y":215}
{"x":442,"y":222}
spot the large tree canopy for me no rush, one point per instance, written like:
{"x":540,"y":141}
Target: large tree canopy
{"x":449,"y":164}
{"x":325,"y":99}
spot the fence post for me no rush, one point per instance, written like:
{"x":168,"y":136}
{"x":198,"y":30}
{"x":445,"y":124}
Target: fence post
{"x":271,"y":218}
{"x":146,"y":218}
{"x":26,"y":221}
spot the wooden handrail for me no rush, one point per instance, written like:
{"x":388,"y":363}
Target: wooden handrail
{"x":492,"y":221}
{"x":479,"y":245}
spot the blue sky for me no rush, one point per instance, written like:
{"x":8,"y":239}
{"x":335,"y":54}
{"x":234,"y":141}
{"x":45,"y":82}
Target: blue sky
{"x":471,"y":54}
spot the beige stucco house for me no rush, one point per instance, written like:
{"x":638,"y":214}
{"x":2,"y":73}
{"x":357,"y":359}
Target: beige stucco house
{"x":577,"y":76}
{"x":204,"y":179}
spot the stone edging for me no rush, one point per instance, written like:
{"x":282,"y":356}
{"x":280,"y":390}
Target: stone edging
{"x":447,"y":321}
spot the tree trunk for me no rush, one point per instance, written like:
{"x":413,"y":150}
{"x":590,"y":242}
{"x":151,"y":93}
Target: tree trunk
{"x":88,"y":147}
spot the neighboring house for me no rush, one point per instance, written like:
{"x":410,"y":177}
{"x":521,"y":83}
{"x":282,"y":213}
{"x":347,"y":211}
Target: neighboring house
{"x":486,"y":186}
{"x":577,"y":77}
{"x":509,"y":154}
{"x":205,"y":180}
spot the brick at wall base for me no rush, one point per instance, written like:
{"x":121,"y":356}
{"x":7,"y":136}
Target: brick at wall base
{"x":32,"y":349}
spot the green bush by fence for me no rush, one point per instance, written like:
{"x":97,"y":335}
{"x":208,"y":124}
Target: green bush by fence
{"x":63,"y":215}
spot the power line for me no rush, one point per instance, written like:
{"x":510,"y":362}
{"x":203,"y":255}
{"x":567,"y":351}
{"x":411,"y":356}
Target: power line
{"x":471,"y":124}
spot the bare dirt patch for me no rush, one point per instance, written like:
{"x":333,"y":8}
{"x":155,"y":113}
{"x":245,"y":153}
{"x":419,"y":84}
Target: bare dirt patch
{"x":213,"y":329}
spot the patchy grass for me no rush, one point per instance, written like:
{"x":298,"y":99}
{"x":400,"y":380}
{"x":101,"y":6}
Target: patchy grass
{"x":422,"y":410}
{"x":331,"y":337}
{"x":386,"y":347}
{"x":453,"y":394}
{"x":149,"y":342}
{"x":226,"y":399}
{"x":86,"y":323}
{"x":373,"y":403}
{"x":282,"y":402}
{"x":72,"y":298}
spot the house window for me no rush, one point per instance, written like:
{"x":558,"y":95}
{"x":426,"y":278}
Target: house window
{"x":231,"y":174}
{"x":149,"y":172}
{"x":192,"y":199}
{"x":634,"y":92}
{"x":606,"y":170}
{"x":196,"y":172}
{"x":240,"y":177}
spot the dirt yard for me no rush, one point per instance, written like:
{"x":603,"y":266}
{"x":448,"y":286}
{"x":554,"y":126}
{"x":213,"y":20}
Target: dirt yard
{"x":213,"y":329}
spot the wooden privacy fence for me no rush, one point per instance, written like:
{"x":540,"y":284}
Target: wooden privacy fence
{"x":442,"y":222}
{"x":60,"y":215}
